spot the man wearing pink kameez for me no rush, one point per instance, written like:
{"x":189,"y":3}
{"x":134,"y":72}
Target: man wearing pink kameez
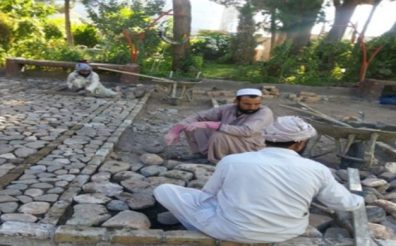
{"x":228,"y":129}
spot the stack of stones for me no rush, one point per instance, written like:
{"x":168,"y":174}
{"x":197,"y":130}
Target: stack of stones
{"x":269,"y":91}
{"x":305,"y":96}
{"x":121,"y":195}
{"x":121,"y":192}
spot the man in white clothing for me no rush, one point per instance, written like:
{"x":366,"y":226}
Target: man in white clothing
{"x":84,"y":79}
{"x":262,"y":196}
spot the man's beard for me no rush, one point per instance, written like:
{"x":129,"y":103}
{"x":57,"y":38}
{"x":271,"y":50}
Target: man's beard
{"x":243,"y":111}
{"x":301,"y":152}
{"x":84,"y":74}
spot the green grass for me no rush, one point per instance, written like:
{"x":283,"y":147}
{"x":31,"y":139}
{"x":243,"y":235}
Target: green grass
{"x":232,"y":72}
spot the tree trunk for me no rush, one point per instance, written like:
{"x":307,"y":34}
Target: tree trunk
{"x":273,"y":31}
{"x":392,"y":31}
{"x":69,"y":36}
{"x":343,"y":14}
{"x":181,"y":33}
{"x":299,"y":37}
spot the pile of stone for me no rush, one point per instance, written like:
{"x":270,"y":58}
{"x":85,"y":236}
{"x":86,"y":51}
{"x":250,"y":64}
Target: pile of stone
{"x":305,"y":96}
{"x":120,"y":195}
{"x":270,"y":91}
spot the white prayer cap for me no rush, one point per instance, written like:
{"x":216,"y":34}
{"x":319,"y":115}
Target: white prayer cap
{"x":288,"y":129}
{"x":83,"y":66}
{"x":249,"y":92}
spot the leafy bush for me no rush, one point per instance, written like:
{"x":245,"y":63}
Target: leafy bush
{"x":85,"y":34}
{"x":6,"y":31}
{"x":384,"y":64}
{"x":317,"y":64}
{"x":28,"y":28}
{"x":211,"y":45}
{"x":52,"y":31}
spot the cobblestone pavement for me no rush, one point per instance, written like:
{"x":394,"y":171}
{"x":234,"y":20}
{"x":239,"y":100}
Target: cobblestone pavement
{"x":62,"y":182}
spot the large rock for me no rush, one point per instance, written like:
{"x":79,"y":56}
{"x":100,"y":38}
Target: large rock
{"x":19,"y":217}
{"x":124,"y":175}
{"x":88,"y":215}
{"x":167,"y":218}
{"x":153,"y":170}
{"x":151,"y":159}
{"x":179,"y":174}
{"x":24,"y":152}
{"x":107,"y":188}
{"x":388,"y":206}
{"x":35,"y":208}
{"x":140,"y":201}
{"x":380,"y":231}
{"x":375,"y":214}
{"x":96,"y":198}
{"x":114,"y":166}
{"x":129,"y":219}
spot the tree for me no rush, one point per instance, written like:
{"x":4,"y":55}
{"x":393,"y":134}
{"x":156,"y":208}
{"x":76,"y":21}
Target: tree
{"x":69,"y":36}
{"x":343,"y":13}
{"x":294,"y":18}
{"x":244,"y":43}
{"x":181,"y":33}
{"x":392,"y":30}
{"x":113,"y":18}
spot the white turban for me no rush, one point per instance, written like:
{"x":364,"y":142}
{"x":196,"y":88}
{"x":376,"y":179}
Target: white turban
{"x":288,"y":129}
{"x":249,"y":92}
{"x":83,"y":66}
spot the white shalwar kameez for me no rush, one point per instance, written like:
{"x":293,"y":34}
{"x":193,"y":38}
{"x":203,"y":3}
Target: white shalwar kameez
{"x":90,"y":83}
{"x":257,"y":197}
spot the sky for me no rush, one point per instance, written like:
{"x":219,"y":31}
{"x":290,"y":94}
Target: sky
{"x":208,"y":15}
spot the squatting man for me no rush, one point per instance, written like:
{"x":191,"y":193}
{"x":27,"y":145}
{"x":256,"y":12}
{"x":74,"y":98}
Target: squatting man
{"x":262,"y":196}
{"x":228,"y":129}
{"x":85,"y":80}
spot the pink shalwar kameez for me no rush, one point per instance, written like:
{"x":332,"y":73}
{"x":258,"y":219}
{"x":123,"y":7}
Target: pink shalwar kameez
{"x":236,"y":133}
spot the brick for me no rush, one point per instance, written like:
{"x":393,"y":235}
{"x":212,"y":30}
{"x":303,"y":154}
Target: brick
{"x":129,"y":236}
{"x":188,"y":238}
{"x":79,"y":234}
{"x":26,"y":229}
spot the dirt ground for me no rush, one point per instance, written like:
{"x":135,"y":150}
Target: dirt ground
{"x":340,"y":103}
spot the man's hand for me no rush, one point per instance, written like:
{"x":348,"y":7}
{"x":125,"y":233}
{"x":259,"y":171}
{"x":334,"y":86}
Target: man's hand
{"x":173,"y":134}
{"x":203,"y":124}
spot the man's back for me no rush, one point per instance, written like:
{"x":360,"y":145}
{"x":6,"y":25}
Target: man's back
{"x":265,"y":195}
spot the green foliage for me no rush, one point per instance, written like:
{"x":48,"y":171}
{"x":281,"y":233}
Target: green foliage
{"x":60,"y":51}
{"x":113,"y":16}
{"x":26,"y":8}
{"x":6,"y":32}
{"x":212,"y":45}
{"x":52,"y":31}
{"x":317,"y":64}
{"x":85,"y":34}
{"x":3,"y":55}
{"x":384,"y":64}
{"x":28,"y":28}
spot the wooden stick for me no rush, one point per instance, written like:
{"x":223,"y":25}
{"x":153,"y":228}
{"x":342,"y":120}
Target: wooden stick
{"x":140,"y":75}
{"x":324,"y":116}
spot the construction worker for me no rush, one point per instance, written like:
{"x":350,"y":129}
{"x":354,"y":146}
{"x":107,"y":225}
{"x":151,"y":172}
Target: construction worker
{"x":262,"y":196}
{"x":83,"y":78}
{"x":228,"y":129}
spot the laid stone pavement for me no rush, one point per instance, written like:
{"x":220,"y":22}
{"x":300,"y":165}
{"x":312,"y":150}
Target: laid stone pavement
{"x":62,"y":184}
